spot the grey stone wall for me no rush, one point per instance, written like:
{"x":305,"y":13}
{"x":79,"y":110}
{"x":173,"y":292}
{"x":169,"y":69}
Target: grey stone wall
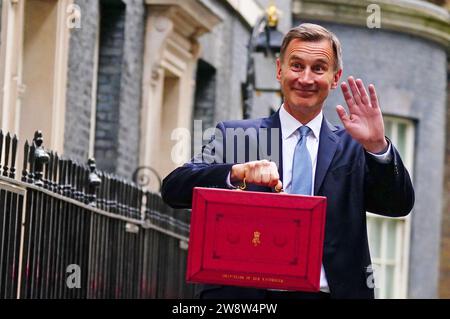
{"x":80,"y":77}
{"x":131,"y":87}
{"x":410,"y":77}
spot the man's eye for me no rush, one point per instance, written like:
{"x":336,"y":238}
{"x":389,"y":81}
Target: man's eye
{"x":319,"y":68}
{"x":296,"y":66}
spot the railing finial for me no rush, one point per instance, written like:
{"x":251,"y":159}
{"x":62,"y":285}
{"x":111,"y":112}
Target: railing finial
{"x":39,"y":157}
{"x":94,"y":182}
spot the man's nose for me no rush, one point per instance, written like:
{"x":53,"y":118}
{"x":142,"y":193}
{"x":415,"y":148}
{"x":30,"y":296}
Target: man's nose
{"x":306,"y":77}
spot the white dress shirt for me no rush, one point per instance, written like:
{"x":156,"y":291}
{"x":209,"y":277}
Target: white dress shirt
{"x":290,"y":136}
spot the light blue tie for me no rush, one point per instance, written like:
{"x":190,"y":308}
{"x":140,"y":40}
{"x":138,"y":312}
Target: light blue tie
{"x":302,"y":166}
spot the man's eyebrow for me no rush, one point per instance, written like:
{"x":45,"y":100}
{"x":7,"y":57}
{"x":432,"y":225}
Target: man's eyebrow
{"x":295,"y":57}
{"x":324,"y":61}
{"x":320,"y":60}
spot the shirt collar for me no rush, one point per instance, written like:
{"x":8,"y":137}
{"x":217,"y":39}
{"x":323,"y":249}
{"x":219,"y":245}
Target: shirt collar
{"x":290,"y":124}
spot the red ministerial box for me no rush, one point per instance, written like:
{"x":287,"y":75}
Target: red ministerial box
{"x":254,"y":239}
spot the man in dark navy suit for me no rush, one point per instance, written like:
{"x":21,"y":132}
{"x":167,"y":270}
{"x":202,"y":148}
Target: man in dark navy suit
{"x":355,"y":166}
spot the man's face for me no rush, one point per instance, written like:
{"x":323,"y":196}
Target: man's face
{"x":306,"y":76}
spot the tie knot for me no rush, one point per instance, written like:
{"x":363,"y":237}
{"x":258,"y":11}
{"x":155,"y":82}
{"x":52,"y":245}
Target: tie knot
{"x":304,"y":130}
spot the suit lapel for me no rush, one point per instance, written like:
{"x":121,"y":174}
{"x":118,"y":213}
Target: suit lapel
{"x":327,"y":147}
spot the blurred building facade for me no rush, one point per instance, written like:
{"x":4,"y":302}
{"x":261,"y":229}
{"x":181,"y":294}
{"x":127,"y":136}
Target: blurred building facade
{"x":124,"y":80}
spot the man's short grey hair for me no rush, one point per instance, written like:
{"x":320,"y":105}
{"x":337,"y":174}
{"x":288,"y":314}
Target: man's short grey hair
{"x":314,"y":32}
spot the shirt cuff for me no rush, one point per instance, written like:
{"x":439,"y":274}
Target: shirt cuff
{"x":229,"y":181}
{"x":384,"y":158}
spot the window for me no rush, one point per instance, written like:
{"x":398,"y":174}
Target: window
{"x":109,"y":77}
{"x":204,"y":101}
{"x":389,"y":237}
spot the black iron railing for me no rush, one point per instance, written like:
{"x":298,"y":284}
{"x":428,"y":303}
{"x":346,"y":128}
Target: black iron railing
{"x":68,"y":230}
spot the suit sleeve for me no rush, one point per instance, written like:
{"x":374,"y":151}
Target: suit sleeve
{"x":388,"y":187}
{"x":208,"y":169}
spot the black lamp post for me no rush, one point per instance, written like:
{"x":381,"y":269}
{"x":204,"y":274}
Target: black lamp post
{"x":268,"y":41}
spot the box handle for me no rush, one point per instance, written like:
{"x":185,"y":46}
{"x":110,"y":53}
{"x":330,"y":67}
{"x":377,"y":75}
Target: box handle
{"x":243,"y":187}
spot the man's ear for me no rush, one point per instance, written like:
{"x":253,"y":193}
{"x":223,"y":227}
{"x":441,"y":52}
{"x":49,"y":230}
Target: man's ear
{"x":278,"y":69}
{"x":336,"y":78}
